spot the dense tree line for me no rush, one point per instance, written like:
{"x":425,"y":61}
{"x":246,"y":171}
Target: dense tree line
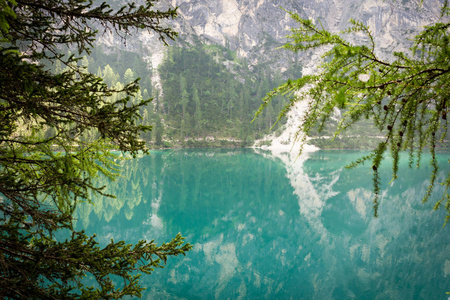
{"x":203,"y":98}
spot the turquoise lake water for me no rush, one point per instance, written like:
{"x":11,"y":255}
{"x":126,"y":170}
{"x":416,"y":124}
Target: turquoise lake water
{"x":264,"y":228}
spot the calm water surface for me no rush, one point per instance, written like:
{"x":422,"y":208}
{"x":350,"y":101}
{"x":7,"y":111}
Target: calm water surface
{"x":264,"y":228}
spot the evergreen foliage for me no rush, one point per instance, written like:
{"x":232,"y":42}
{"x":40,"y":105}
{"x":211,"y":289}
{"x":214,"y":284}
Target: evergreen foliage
{"x":407,"y":97}
{"x":215,"y":108}
{"x":57,"y":130}
{"x":212,"y":100}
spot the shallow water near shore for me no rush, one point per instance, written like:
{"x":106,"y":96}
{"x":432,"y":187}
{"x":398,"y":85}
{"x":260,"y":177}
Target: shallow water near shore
{"x":264,"y":228}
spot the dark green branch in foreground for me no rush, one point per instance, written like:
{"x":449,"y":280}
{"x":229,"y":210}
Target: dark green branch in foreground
{"x":56,"y":136}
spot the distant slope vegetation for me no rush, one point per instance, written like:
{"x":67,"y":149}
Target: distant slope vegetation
{"x":206,"y":101}
{"x":208,"y":97}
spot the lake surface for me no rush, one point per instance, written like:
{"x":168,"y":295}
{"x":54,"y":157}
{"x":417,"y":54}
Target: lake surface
{"x":266,"y":227}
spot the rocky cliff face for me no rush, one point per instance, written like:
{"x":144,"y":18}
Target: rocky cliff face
{"x":255,"y":28}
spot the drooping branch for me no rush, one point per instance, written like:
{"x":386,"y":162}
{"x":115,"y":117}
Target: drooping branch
{"x":407,"y":97}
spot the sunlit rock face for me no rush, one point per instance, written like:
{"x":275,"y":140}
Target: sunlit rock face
{"x":252,"y":27}
{"x":256,"y":28}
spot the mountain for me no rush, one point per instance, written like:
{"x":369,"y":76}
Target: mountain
{"x":254,"y":29}
{"x":242,"y":37}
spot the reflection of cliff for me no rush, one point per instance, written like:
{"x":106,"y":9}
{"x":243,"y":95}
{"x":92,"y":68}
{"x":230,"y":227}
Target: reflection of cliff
{"x":237,"y":208}
{"x":312,"y":192}
{"x":278,"y":251}
{"x":280,"y":228}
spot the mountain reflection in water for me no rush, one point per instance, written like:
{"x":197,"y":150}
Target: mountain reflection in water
{"x":279,"y":228}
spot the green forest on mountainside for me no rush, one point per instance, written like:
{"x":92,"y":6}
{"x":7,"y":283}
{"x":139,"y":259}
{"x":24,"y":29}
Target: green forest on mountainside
{"x":203,"y":98}
{"x":204,"y":103}
{"x":209,"y":98}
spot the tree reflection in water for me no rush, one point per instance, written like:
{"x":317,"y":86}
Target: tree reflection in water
{"x":267,"y":226}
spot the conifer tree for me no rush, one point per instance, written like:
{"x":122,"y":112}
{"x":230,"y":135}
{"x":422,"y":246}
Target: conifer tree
{"x":158,"y":131}
{"x":128,"y":76}
{"x":198,"y":111}
{"x":109,"y":76}
{"x":184,"y":96}
{"x":407,"y":96}
{"x":43,"y":176}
